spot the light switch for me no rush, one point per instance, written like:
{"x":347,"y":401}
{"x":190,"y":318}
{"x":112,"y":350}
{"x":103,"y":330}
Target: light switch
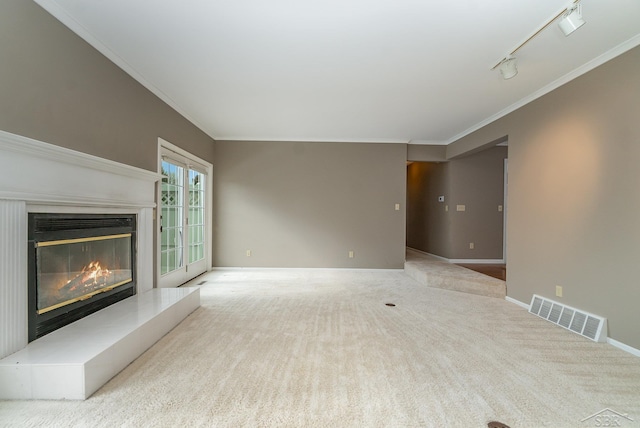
{"x":397,"y":207}
{"x":500,"y":208}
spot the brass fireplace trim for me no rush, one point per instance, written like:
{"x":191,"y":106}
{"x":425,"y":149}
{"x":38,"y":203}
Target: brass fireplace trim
{"x":77,"y":240}
{"x":81,"y":298}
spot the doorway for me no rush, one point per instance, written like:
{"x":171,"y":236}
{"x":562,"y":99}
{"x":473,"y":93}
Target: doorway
{"x":184,"y":221}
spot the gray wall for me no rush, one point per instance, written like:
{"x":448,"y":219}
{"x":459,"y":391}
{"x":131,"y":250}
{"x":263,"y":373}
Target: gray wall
{"x":475,"y":181}
{"x":573,"y":194}
{"x":56,"y":88}
{"x":428,"y":224}
{"x":426,"y":153}
{"x":309,"y":204}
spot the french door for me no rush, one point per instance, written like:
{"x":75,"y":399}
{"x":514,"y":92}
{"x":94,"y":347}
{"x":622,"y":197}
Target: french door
{"x":182,"y":223}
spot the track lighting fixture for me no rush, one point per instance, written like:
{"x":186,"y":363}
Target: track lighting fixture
{"x":571,"y":21}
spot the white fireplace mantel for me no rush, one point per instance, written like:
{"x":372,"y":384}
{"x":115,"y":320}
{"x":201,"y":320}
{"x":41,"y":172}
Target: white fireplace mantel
{"x":41,"y":177}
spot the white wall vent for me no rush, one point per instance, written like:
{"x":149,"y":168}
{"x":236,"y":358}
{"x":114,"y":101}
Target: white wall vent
{"x":585,"y":324}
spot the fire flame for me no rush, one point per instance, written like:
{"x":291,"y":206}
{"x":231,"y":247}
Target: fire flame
{"x":95,"y":272}
{"x":92,"y":274}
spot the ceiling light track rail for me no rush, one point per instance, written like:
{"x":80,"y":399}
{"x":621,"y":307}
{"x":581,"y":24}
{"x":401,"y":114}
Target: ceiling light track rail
{"x":572,"y":21}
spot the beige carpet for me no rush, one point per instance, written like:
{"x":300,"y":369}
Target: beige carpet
{"x":295,"y":348}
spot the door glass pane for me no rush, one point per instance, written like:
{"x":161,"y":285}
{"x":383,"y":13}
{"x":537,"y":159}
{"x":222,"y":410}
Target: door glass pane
{"x":172,"y":217}
{"x":196,"y":215}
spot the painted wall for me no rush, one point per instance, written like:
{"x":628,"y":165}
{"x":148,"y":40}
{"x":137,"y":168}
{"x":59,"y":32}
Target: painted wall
{"x":475,"y":181}
{"x":428,"y":224}
{"x":574,"y":194}
{"x":309,"y":204}
{"x":58,"y":89}
{"x":426,"y":153}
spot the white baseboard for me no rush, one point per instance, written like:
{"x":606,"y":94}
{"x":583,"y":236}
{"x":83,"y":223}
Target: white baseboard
{"x":240,"y":268}
{"x":620,"y":345}
{"x":462,"y":261}
{"x":517,"y":302}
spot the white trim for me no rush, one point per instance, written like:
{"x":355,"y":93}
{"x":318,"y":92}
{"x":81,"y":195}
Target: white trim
{"x":477,"y":261}
{"x":457,"y":261}
{"x":230,"y":268}
{"x":175,"y":153}
{"x":319,"y":140}
{"x":607,"y":56}
{"x":517,"y":302}
{"x":67,"y":199}
{"x":38,"y":149}
{"x":428,"y":254}
{"x":505,"y":199}
{"x":626,"y":348}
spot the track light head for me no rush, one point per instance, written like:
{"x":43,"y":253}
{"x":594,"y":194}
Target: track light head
{"x":571,"y":19}
{"x":509,"y":67}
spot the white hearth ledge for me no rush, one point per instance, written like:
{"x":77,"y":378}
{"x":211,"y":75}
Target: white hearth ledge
{"x":74,"y":361}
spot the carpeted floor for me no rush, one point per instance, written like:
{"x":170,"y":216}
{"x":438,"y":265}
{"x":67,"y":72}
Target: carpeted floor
{"x":315,"y":348}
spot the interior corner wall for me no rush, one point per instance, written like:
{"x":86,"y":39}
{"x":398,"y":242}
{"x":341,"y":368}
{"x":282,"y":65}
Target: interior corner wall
{"x":477,"y":183}
{"x":428,"y":224}
{"x":307,"y":205}
{"x":574,"y":198}
{"x":58,"y":89}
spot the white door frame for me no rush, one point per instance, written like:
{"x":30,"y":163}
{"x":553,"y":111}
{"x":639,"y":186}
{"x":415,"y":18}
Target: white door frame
{"x":165,"y":148}
{"x":504,"y":211}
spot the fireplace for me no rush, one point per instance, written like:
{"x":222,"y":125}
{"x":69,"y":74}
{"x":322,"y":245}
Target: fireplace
{"x":77,"y":265}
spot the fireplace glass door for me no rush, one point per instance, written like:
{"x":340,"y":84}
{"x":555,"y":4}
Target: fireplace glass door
{"x":77,"y":264}
{"x":72,"y":270}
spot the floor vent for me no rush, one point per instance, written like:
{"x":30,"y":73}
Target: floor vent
{"x":585,"y":324}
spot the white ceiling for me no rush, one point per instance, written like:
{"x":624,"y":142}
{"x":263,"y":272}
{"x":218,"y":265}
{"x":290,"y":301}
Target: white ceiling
{"x":347,"y":70}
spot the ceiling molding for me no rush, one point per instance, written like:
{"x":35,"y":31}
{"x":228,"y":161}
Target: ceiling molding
{"x":428,"y":143}
{"x":317,"y":140}
{"x":607,"y":56}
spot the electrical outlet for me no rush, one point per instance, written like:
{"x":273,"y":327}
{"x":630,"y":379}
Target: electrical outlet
{"x":558,"y":291}
{"x":499,"y":208}
{"x":248,"y":253}
{"x":350,"y":254}
{"x":397,"y":207}
{"x":472,"y":245}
